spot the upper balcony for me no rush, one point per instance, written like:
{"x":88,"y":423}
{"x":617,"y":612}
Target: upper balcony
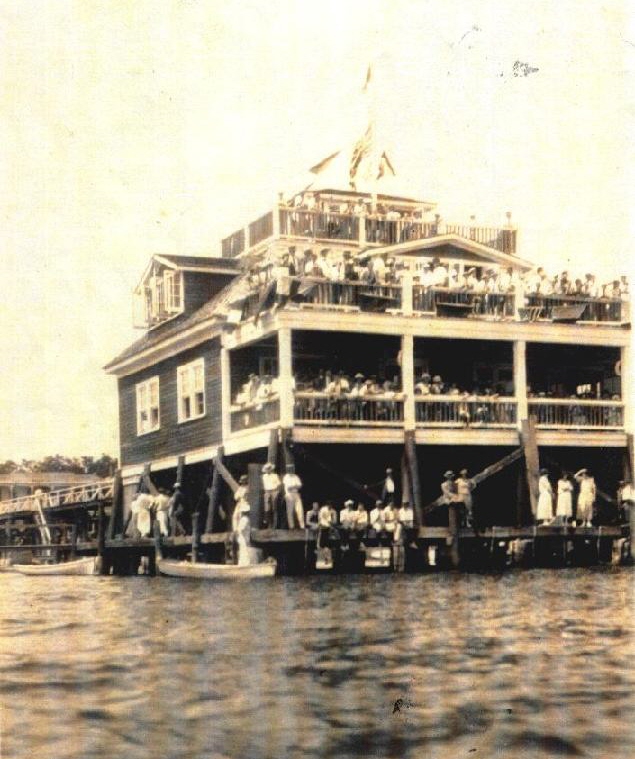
{"x":339,"y":223}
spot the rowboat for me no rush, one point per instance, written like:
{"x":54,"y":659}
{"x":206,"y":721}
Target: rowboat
{"x":203,"y":571}
{"x":84,"y":566}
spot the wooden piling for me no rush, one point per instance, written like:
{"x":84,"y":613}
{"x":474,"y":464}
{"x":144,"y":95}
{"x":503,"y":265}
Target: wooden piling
{"x":254,"y":494}
{"x":195,"y":536}
{"x":101,"y":536}
{"x":413,"y":472}
{"x":453,"y":534}
{"x":532,"y":461}
{"x":214,"y":492}
{"x":116,"y":510}
{"x":272,"y":451}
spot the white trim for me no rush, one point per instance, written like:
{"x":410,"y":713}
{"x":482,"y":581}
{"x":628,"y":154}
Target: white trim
{"x":131,"y":472}
{"x":145,"y":388}
{"x":189,"y":368}
{"x":471,"y":246}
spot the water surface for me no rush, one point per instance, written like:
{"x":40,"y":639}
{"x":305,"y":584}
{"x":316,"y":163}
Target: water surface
{"x":532,"y":663}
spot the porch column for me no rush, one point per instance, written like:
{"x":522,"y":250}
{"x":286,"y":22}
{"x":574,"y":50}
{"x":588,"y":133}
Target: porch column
{"x":362,"y":230}
{"x":285,"y":375}
{"x":406,"y":293}
{"x":520,"y":380}
{"x":225,"y":392}
{"x":408,"y":381}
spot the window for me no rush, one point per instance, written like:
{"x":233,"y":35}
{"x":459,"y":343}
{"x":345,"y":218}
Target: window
{"x":191,"y":390}
{"x":148,"y":406}
{"x":172,"y":288}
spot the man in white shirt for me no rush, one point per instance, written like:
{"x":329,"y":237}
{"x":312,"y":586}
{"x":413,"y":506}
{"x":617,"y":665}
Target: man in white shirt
{"x":292,"y":485}
{"x":347,"y":515}
{"x":377,"y":517}
{"x":405,"y":521}
{"x":388,"y":489}
{"x":271,"y":487}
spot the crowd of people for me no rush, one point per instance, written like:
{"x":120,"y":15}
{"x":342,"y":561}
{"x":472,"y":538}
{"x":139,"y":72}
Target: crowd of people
{"x":487,"y":285}
{"x":258,"y":389}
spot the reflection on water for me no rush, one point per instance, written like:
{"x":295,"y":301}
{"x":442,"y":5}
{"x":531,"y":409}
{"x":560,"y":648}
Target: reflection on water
{"x":533,"y":664}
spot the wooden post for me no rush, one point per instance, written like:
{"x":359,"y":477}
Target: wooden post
{"x":453,"y":536}
{"x":195,"y":536}
{"x":408,"y":381}
{"x":285,"y":377}
{"x":532,"y":462}
{"x":272,"y":451}
{"x":116,"y":510}
{"x":180,"y":465}
{"x":101,"y":537}
{"x":254,"y":494}
{"x":73,"y":541}
{"x":287,"y":450}
{"x":214,"y":493}
{"x":147,"y":480}
{"x":520,"y":381}
{"x":413,"y":471}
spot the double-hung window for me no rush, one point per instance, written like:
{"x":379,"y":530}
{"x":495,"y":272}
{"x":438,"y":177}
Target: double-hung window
{"x":148,"y":406}
{"x":191,"y":390}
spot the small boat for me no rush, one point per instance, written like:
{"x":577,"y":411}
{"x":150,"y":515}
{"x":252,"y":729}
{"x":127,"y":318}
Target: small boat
{"x":83,"y":566}
{"x":203,"y":571}
{"x":378,"y":558}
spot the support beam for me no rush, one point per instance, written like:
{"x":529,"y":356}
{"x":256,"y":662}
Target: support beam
{"x":116,"y":510}
{"x":226,"y":475}
{"x":532,"y":460}
{"x":195,"y":536}
{"x":254,"y":494}
{"x":285,"y":376}
{"x":489,"y":471}
{"x":214,"y":492}
{"x":520,"y":380}
{"x":147,"y":480}
{"x":413,"y":473}
{"x":272,"y":451}
{"x":180,"y":466}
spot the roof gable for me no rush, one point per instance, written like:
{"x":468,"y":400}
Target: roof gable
{"x":452,"y":246}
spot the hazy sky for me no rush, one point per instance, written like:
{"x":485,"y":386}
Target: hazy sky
{"x":129,"y":128}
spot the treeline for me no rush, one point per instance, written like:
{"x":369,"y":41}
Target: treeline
{"x":104,"y":466}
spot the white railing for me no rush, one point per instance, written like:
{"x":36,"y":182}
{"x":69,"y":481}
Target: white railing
{"x":577,"y":413}
{"x":255,"y":414}
{"x":323,"y":409}
{"x":473,"y":411}
{"x":88,"y":493}
{"x":362,"y":295}
{"x":433,"y":299}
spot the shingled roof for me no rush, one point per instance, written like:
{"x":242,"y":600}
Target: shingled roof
{"x":216,"y":308}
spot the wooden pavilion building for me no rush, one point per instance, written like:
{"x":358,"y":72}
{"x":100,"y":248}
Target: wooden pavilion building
{"x":544,"y":375}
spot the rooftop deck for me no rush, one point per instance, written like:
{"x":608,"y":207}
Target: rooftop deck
{"x":361,"y":230}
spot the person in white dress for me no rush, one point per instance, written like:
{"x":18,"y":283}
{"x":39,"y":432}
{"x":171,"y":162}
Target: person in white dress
{"x":586,"y":497}
{"x":161,"y":506}
{"x":545,"y":498}
{"x":243,"y":534}
{"x":564,"y":504}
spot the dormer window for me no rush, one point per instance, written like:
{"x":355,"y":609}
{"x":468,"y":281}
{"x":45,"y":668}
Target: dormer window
{"x":159,"y":296}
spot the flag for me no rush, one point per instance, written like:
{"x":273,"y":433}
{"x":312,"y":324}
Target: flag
{"x":361,"y":150}
{"x":369,"y":75}
{"x":384,"y":166}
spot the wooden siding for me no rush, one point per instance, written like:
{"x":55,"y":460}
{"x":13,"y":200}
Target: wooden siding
{"x":201,"y":287}
{"x":171,"y":438}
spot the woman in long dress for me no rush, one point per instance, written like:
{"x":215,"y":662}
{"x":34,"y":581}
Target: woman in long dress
{"x":545,"y":498}
{"x":564,"y":506}
{"x":243,"y":534}
{"x":586,"y":497}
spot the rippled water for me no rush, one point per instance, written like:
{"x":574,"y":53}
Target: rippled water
{"x":533,"y":664}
